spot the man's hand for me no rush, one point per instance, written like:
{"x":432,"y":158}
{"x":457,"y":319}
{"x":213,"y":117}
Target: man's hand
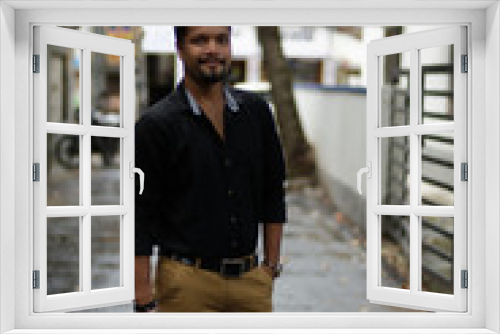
{"x":269,"y":271}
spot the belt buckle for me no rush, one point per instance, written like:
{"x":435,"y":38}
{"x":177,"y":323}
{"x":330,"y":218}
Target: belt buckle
{"x":232,"y":268}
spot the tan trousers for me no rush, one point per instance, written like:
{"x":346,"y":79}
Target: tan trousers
{"x":184,"y":288}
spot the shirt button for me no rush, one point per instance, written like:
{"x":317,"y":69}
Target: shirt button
{"x":234,"y":243}
{"x":230,"y":192}
{"x":227,"y":162}
{"x":233,"y":219}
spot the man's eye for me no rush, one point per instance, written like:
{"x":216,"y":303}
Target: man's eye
{"x":198,"y":40}
{"x":222,"y":39}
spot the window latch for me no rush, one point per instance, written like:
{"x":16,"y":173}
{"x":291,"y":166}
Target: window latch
{"x":368,"y":171}
{"x":133,"y":170}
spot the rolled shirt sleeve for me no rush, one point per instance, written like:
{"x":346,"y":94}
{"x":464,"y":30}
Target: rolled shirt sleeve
{"x":274,"y":174}
{"x":151,"y":148}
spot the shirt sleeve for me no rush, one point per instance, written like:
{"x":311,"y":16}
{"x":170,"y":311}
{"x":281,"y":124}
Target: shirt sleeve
{"x":273,"y":196}
{"x":151,"y":145}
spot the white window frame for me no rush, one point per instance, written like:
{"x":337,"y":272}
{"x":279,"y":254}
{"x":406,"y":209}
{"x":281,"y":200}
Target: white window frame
{"x":85,"y":43}
{"x":413,"y":44}
{"x":483,"y":21}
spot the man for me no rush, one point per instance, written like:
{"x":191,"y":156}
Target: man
{"x":215,"y":170}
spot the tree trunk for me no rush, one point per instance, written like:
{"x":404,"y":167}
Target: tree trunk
{"x":298,"y":153}
{"x":392,"y":62}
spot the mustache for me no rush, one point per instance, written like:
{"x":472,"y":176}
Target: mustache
{"x":206,"y":60}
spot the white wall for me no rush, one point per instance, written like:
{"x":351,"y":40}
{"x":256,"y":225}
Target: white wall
{"x":187,"y":15}
{"x":492,"y":162}
{"x":335,"y":124}
{"x":7,"y":160}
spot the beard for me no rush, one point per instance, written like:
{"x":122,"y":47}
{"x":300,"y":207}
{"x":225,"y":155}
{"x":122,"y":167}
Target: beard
{"x":215,"y":77}
{"x":211,"y":76}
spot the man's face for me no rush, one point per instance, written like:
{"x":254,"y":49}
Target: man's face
{"x":206,"y":53}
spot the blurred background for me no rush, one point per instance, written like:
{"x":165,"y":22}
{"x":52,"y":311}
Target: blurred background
{"x":314,"y":78}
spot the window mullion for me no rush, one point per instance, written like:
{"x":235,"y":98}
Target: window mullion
{"x":438,"y":128}
{"x":85,"y":254}
{"x":434,"y":211}
{"x":85,"y":167}
{"x":415,"y":171}
{"x":393,"y":131}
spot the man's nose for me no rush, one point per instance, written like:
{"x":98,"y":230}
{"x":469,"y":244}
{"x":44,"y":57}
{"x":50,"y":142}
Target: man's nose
{"x":212,"y":46}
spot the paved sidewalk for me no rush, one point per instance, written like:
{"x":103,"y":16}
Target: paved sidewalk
{"x":325,"y":260}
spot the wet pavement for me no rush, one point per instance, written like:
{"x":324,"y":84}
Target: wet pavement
{"x":324,"y":255}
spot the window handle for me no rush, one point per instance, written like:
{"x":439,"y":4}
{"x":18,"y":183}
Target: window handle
{"x":367,"y":170}
{"x":141,"y":175}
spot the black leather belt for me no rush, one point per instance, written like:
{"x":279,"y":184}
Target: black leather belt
{"x":227,"y":267}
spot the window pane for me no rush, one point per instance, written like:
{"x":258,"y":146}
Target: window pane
{"x":105,"y":171}
{"x":63,"y":255}
{"x":105,"y":252}
{"x":437,"y":185}
{"x":395,"y":89}
{"x":63,"y":172}
{"x":395,"y":170}
{"x":395,"y":242}
{"x":63,"y":84}
{"x":437,"y":254}
{"x":105,"y":89}
{"x":437,"y":84}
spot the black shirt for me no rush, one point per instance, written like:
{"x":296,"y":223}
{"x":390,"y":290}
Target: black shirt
{"x":204,"y":196}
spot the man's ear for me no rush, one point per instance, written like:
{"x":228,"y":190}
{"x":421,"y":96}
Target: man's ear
{"x":179,"y":51}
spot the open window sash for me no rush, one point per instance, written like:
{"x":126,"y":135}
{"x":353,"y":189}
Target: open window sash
{"x":83,"y":294}
{"x":414,"y":130}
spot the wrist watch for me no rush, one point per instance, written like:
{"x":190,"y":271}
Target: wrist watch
{"x":276,"y":267}
{"x":145,"y":307}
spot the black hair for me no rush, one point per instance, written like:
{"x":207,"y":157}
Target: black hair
{"x":180,"y":33}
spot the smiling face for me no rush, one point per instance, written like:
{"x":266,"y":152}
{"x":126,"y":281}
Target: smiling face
{"x":206,"y":53}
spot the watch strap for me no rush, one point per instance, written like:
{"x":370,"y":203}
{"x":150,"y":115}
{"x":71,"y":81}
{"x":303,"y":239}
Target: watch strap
{"x":145,"y":307}
{"x":276,"y":267}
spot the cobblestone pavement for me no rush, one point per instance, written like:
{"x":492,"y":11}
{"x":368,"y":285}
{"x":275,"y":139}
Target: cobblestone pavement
{"x":324,"y":257}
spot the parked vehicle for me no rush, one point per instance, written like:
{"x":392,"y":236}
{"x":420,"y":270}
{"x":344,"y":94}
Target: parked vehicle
{"x":67,"y":147}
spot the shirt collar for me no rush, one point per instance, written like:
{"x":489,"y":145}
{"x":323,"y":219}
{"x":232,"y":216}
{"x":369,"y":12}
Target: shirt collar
{"x":229,"y":100}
